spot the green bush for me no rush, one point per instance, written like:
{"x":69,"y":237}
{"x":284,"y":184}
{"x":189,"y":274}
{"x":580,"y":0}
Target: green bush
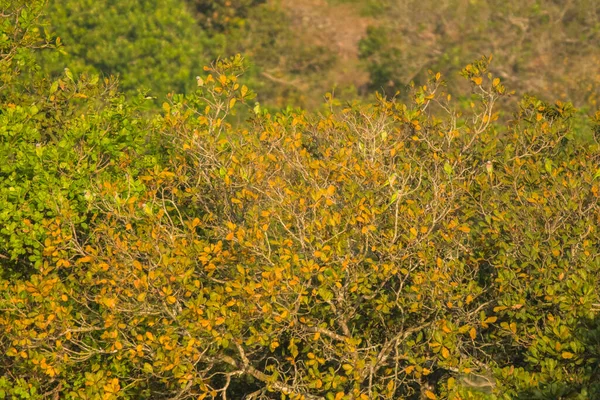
{"x":385,"y":62}
{"x":150,"y":44}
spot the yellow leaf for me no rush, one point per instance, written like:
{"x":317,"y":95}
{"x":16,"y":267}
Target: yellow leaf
{"x":339,"y":395}
{"x":171,"y":300}
{"x":232,"y":103}
{"x":109,"y":302}
{"x":477,"y":80}
{"x":445,"y":352}
{"x":555,"y":252}
{"x":451,"y":382}
{"x":464,"y":229}
{"x":469,"y":299}
{"x":409,"y":369}
{"x":567,"y":355}
{"x":473,"y":333}
{"x":496,"y":82}
{"x":430,"y":395}
{"x":390,"y":385}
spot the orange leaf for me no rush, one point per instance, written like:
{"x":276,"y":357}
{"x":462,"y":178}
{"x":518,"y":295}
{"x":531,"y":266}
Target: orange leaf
{"x":473,"y":333}
{"x":464,"y":229}
{"x":445,"y":352}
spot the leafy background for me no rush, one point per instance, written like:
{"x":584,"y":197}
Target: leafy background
{"x":178,"y":221}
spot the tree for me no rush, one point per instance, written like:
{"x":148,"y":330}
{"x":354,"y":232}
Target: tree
{"x":364,"y":254}
{"x":382,"y":251}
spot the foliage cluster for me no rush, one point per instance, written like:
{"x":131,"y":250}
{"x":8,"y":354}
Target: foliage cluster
{"x":383,"y":251}
{"x":151,"y":44}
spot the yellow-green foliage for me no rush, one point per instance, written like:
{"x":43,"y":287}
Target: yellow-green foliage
{"x":395,"y":250}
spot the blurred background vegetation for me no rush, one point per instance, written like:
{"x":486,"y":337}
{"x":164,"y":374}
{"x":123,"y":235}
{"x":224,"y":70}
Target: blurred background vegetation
{"x":301,"y":49}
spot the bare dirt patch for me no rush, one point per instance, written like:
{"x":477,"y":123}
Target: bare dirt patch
{"x":338,"y":27}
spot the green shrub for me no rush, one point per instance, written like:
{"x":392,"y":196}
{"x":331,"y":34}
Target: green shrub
{"x":150,"y":44}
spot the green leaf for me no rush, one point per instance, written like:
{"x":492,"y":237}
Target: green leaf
{"x":448,"y":169}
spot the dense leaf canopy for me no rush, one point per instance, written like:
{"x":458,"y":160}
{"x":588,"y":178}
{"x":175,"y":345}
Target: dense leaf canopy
{"x":150,"y":44}
{"x":414,"y":248}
